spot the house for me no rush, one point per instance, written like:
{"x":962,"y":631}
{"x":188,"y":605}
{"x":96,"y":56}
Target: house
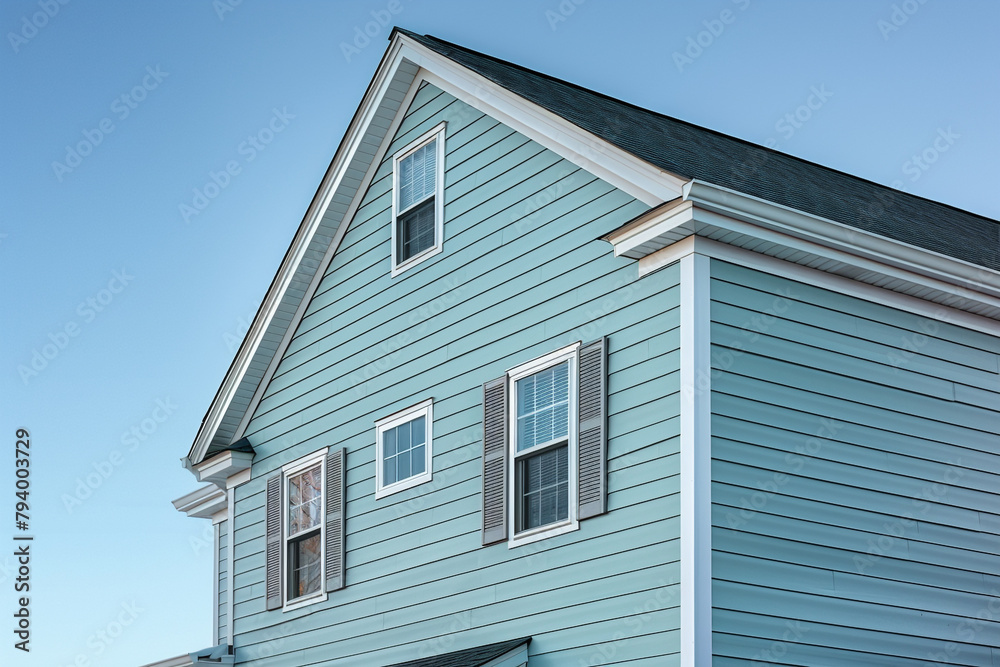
{"x":548,"y":379}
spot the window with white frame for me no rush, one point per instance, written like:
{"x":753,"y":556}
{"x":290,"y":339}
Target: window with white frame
{"x":418,"y":200}
{"x":543,"y":445}
{"x":304,"y":537}
{"x":304,"y":526}
{"x":403,"y":449}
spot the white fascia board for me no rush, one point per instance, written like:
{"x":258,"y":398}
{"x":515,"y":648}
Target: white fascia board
{"x":646,"y":228}
{"x":625,"y":171}
{"x":848,"y":240}
{"x":300,"y":244}
{"x":202,"y":503}
{"x":221,"y":467}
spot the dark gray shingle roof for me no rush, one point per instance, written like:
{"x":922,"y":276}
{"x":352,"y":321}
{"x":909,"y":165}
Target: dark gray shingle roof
{"x":472,"y":657}
{"x":695,"y":152}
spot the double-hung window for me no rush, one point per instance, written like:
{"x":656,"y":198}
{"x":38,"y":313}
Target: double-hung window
{"x":403,"y":452}
{"x":418,"y":200}
{"x":544,"y":461}
{"x":543,"y":439}
{"x":304,"y":535}
{"x":305,"y":530}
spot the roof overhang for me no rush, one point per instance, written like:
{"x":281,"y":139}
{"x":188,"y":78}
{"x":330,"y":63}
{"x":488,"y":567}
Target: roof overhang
{"x":711,"y":212}
{"x":202,"y":503}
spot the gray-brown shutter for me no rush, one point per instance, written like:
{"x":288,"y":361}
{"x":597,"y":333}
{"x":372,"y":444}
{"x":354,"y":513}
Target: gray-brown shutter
{"x":495,"y":461}
{"x":335,"y":473}
{"x":593,"y":468}
{"x":273,"y":565}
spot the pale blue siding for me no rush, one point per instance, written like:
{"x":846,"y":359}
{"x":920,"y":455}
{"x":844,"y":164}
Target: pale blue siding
{"x":855,"y":480}
{"x":522,"y":274}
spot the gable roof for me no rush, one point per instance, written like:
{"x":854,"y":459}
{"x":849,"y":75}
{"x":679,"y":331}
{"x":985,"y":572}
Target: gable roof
{"x":653,"y":157}
{"x":472,"y":657}
{"x":694,"y":152}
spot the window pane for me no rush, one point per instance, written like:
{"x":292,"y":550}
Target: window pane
{"x":417,"y":175}
{"x":389,"y":474}
{"x":417,"y":456}
{"x":389,"y":442}
{"x":416,"y":230}
{"x":305,"y":501}
{"x":304,"y":566}
{"x":543,"y":407}
{"x":545,"y":485}
{"x":407,"y":454}
{"x":403,"y":464}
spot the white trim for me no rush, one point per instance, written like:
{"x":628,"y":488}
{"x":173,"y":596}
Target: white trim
{"x":220,"y":516}
{"x":816,"y":278}
{"x":423,"y":409}
{"x":518,"y":652}
{"x":696,"y":461}
{"x":568,"y":354}
{"x":437,"y":133}
{"x":288,"y":470}
{"x":222,"y":466}
{"x":640,"y":179}
{"x":216,"y":537}
{"x":303,"y":306}
{"x":296,"y":252}
{"x":838,"y":236}
{"x":231,"y":557}
{"x":202,"y":503}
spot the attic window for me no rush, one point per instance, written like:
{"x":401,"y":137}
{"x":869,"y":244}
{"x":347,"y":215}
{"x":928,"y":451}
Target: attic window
{"x":418,"y":200}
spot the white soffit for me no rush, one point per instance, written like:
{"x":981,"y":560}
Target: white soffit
{"x":768,"y":229}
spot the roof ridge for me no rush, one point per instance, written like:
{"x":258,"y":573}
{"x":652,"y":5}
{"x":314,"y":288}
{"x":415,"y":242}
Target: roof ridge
{"x":701,"y":128}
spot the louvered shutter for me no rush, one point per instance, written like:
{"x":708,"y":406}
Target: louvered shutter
{"x":592,"y":464}
{"x":495,"y":461}
{"x":335,"y":519}
{"x":273,"y":529}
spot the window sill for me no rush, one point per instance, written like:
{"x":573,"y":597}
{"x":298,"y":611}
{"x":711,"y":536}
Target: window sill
{"x":403,"y":485}
{"x":542,"y":533}
{"x":416,"y":259}
{"x":304,"y":601}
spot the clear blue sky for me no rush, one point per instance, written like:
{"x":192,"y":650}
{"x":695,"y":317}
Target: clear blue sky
{"x":141,"y":308}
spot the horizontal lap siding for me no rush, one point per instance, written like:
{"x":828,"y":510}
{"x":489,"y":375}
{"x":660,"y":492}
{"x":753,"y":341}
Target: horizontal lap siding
{"x":521,"y":275}
{"x":855,"y":480}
